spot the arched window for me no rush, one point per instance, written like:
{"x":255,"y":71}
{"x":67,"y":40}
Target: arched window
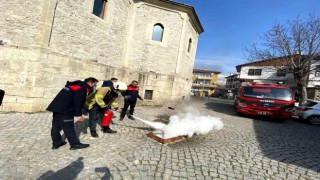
{"x":99,"y":8}
{"x":189,"y":45}
{"x":157,"y":32}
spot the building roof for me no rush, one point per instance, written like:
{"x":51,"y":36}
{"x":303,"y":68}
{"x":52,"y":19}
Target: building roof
{"x":180,"y":7}
{"x":277,"y":61}
{"x":205,"y":71}
{"x":232,"y":75}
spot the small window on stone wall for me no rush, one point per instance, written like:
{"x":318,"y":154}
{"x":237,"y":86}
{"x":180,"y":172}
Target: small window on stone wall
{"x":99,"y":8}
{"x":157,"y":32}
{"x":189,"y":45}
{"x":148,"y":94}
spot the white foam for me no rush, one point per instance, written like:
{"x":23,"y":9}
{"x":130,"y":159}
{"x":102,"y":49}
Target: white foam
{"x":187,"y":124}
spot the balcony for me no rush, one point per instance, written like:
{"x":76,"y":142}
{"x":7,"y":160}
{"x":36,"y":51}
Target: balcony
{"x":204,"y":78}
{"x":204,"y":85}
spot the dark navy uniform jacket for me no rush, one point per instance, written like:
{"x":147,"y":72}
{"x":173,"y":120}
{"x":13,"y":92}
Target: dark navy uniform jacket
{"x":70,"y":99}
{"x":132,"y":93}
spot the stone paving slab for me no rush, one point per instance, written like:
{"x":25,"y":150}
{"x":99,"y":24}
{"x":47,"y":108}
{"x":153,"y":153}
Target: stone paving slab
{"x":245,"y":148}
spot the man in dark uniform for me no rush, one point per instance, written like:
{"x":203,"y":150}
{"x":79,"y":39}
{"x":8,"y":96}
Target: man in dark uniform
{"x":130,"y":99}
{"x":109,"y":83}
{"x":66,"y":106}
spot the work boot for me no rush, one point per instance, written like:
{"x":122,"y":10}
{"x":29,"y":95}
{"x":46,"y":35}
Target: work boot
{"x":84,"y":131}
{"x":108,"y":130}
{"x":61,"y":144}
{"x":122,"y":115}
{"x":94,"y":134}
{"x":79,"y":146}
{"x":131,"y":117}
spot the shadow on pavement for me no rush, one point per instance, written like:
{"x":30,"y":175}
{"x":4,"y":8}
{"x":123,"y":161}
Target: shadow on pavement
{"x":105,"y":171}
{"x":290,"y":142}
{"x":69,"y":172}
{"x":79,"y":127}
{"x":221,"y":106}
{"x":141,"y":128}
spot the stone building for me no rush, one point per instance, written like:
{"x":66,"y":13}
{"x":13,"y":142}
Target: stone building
{"x":49,"y":42}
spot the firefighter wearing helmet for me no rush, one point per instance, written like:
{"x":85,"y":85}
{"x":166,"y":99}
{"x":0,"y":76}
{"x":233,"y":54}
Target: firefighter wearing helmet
{"x":100,"y":103}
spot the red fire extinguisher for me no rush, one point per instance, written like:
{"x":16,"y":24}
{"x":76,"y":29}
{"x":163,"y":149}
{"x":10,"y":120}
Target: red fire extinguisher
{"x":107,"y":118}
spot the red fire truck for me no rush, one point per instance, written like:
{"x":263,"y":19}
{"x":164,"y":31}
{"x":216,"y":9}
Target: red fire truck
{"x":273,"y":100}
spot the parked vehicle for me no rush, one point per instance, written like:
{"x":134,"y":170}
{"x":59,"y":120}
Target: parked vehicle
{"x":219,"y":93}
{"x":273,"y":100}
{"x":309,"y":111}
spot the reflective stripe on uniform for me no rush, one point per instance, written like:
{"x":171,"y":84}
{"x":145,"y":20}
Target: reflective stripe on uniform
{"x":99,"y":100}
{"x":114,"y":104}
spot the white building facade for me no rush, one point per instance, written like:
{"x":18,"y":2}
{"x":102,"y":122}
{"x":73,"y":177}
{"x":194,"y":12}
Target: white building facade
{"x":266,"y":74}
{"x":233,"y":81}
{"x":314,"y":76}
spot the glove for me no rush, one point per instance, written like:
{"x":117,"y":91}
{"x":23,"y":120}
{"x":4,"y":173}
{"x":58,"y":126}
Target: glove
{"x":118,"y":109}
{"x":106,"y":108}
{"x":79,"y":118}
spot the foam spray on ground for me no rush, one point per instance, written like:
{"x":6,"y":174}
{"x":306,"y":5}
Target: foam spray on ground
{"x":188,"y":123}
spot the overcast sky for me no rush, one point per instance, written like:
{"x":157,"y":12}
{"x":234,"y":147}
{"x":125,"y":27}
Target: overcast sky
{"x":231,"y":25}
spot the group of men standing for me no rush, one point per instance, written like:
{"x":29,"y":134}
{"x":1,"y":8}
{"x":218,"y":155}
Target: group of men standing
{"x":81,"y":96}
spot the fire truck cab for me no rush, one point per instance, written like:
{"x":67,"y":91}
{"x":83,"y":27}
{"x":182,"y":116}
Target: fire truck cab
{"x":272,"y":100}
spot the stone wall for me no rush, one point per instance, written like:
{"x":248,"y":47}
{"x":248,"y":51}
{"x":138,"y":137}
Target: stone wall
{"x":186,"y":60}
{"x":314,"y":93}
{"x":148,"y":55}
{"x":79,"y":33}
{"x":49,"y":42}
{"x":19,"y":21}
{"x":35,"y":75}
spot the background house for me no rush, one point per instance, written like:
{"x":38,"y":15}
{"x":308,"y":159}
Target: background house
{"x":265,"y":71}
{"x":314,"y":77}
{"x":50,"y":42}
{"x":271,"y":71}
{"x":204,"y":81}
{"x":233,"y":82}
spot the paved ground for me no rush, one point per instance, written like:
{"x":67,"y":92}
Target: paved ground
{"x":244,"y":149}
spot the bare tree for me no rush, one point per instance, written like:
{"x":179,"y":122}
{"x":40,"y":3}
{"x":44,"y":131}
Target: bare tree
{"x":294,"y":45}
